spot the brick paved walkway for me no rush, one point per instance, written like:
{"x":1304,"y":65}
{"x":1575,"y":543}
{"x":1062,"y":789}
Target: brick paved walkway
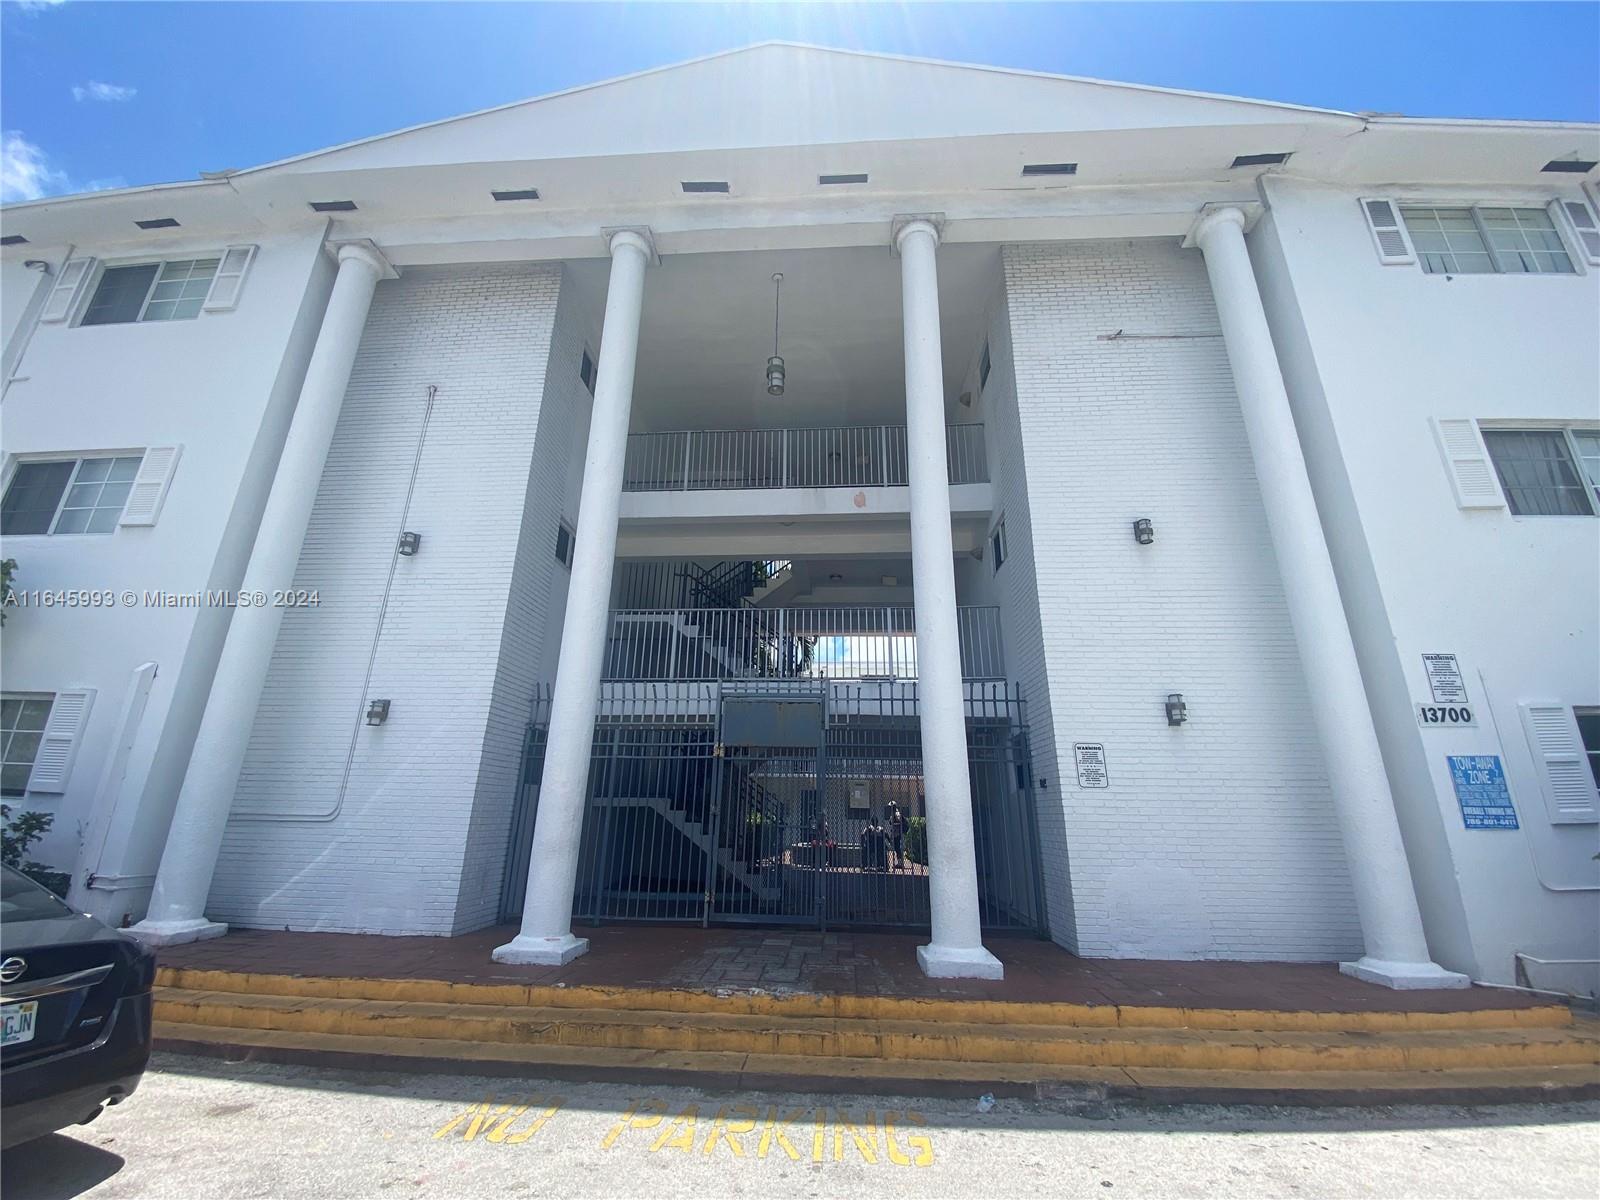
{"x":882,"y":964}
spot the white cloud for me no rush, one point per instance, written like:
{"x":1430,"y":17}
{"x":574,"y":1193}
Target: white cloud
{"x":109,"y":93}
{"x":29,"y":6}
{"x":26,"y":172}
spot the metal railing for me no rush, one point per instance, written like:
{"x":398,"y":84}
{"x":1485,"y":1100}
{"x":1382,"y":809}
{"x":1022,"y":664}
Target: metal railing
{"x":841,"y":456}
{"x":857,"y":642}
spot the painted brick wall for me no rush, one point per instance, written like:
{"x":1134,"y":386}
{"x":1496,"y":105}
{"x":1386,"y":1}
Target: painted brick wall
{"x":531,"y":644}
{"x":384,"y":843}
{"x":1216,"y":839}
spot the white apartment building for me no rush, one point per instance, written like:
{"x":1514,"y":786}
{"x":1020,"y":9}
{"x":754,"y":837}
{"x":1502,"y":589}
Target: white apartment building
{"x":626,"y":505}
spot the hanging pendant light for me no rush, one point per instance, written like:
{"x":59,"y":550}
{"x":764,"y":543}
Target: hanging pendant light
{"x":775,"y":364}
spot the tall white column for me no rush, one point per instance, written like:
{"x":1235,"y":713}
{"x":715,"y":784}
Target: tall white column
{"x":1391,"y":925}
{"x":177,"y":905}
{"x":546,"y":934}
{"x":956,"y":950}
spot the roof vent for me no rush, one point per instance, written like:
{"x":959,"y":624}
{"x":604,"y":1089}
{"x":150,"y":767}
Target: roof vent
{"x":830,"y":179}
{"x":158,"y":223}
{"x":1260,"y":160}
{"x":1568,"y":166}
{"x":705,"y":185}
{"x":333,"y":206}
{"x":517,"y":194}
{"x":1050,"y":169}
{"x":13,"y":239}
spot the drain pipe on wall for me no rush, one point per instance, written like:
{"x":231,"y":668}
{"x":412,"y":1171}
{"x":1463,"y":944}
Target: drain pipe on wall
{"x":377,"y":635}
{"x":36,"y":303}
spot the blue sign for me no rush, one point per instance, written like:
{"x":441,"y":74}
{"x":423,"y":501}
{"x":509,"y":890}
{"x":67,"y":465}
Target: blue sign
{"x":1480,"y":783}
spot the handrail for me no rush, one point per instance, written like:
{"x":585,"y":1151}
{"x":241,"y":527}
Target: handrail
{"x":810,"y":456}
{"x":851,"y":642}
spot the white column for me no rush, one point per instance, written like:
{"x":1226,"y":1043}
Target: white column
{"x":1391,"y":925}
{"x":546,"y":934}
{"x":956,"y":950}
{"x":177,"y":905}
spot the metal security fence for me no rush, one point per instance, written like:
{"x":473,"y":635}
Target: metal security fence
{"x":853,"y":642}
{"x":839,"y":456}
{"x":787,"y":802}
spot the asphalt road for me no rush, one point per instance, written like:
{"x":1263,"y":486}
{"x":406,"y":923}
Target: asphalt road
{"x":205,"y":1130}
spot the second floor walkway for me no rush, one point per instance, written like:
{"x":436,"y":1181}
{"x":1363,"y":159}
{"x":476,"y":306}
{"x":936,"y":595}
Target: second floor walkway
{"x":846,"y":456}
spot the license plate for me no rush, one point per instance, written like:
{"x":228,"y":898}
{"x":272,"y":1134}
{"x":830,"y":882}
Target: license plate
{"x":16,"y":1022}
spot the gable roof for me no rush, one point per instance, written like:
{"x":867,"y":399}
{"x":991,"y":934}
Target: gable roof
{"x":789,"y":94}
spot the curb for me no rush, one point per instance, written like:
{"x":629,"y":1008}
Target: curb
{"x":731,"y":1081}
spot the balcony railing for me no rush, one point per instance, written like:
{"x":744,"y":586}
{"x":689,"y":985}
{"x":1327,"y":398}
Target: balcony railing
{"x":858,"y":642}
{"x":843,"y":456}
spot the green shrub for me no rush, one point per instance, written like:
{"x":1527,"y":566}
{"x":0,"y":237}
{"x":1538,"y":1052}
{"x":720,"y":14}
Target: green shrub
{"x":917,"y":840}
{"x":15,"y":838}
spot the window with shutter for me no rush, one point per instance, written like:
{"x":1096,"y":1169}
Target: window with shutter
{"x":1388,"y":234}
{"x":1565,"y":776}
{"x":58,"y":746}
{"x":150,"y":485}
{"x":229,"y":279}
{"x":64,"y":295}
{"x":1466,"y":461}
{"x":1585,"y":231}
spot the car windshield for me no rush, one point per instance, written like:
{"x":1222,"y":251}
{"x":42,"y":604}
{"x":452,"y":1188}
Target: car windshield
{"x":21,"y":899}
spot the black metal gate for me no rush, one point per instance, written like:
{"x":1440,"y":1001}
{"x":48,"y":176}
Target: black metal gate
{"x":784,"y":802}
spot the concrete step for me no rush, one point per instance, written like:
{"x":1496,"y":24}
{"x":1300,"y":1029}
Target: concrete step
{"x":726,"y":1069}
{"x":890,"y":1039}
{"x":855,"y":1007}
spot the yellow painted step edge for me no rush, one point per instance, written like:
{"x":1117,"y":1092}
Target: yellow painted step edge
{"x":898,"y":1041}
{"x":1001,"y":1012}
{"x":1399,"y":1083}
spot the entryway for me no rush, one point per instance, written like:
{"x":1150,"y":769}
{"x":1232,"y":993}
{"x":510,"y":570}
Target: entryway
{"x":793,"y":803}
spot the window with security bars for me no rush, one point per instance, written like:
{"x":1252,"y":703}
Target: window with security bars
{"x":22,"y":722}
{"x":84,"y":495}
{"x":1482,"y":240}
{"x":163,"y":291}
{"x":1542,"y":471}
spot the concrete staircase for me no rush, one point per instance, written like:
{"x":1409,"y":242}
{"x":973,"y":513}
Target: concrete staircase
{"x":883,"y":1044}
{"x":727,"y":862}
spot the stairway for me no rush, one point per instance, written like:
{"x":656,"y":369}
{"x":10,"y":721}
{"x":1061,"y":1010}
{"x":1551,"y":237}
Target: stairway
{"x":880,"y":1044}
{"x":725,"y":858}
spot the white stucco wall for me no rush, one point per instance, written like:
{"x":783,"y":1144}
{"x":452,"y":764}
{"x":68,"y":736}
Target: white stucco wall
{"x":399,"y":845}
{"x":1216,"y":839}
{"x":222,"y":386}
{"x":1371,"y":353}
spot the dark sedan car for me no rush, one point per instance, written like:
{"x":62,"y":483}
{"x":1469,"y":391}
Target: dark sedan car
{"x":74,"y":1010}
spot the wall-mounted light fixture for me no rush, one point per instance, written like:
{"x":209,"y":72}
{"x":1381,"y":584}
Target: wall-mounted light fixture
{"x":410,"y":543}
{"x":1177,"y":710}
{"x":1143,"y":532}
{"x":377,"y":712}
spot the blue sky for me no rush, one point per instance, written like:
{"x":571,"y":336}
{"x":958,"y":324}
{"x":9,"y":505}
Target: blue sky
{"x":97,"y":94}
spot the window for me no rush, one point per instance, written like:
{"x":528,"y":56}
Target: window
{"x":565,"y":542}
{"x":998,"y":549}
{"x":1589,"y":731}
{"x":984,"y":366}
{"x":1479,"y":240}
{"x":586,"y":371}
{"x":84,"y":495}
{"x":169,"y":291}
{"x":22,"y":722}
{"x":1539,"y":471}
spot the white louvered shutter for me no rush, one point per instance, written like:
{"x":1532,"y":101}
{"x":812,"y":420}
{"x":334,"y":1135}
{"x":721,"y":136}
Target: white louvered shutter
{"x":64,"y":295}
{"x":228,"y":282}
{"x":149,"y":489}
{"x":1466,"y":460}
{"x":1558,"y":753}
{"x":58,"y":745}
{"x":1388,"y":233}
{"x":1582,"y":223}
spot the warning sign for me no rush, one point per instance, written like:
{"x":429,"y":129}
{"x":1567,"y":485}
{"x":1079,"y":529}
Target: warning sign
{"x":1444,"y":679}
{"x":1091,"y":758}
